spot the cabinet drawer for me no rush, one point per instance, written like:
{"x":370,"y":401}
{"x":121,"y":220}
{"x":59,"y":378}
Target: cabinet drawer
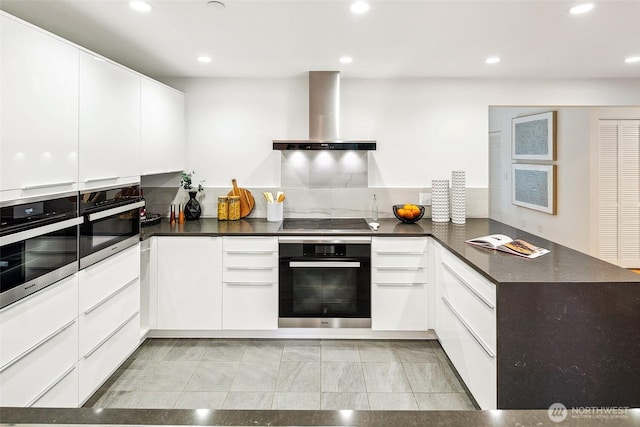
{"x":479,"y":314}
{"x":96,"y":366}
{"x":97,"y":322}
{"x":477,"y":284}
{"x":397,"y":307}
{"x":388,"y":259}
{"x":404,"y":275}
{"x":250,"y":244}
{"x":383,"y":245}
{"x":474,"y":363}
{"x":25,"y":379}
{"x":32,"y":319}
{"x":100,"y":280}
{"x":250,"y":275}
{"x":250,"y":259}
{"x":63,"y":393}
{"x":248,"y":306}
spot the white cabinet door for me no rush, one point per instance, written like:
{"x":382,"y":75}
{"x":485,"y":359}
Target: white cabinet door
{"x":399,"y":284}
{"x":250,"y":283}
{"x":162,"y":128}
{"x":109,"y":120}
{"x":189,"y":292}
{"x":39,"y":112}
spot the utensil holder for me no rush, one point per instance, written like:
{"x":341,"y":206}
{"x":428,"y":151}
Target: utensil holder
{"x":275,"y":211}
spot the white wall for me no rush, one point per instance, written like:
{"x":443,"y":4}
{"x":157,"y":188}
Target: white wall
{"x":425,"y":128}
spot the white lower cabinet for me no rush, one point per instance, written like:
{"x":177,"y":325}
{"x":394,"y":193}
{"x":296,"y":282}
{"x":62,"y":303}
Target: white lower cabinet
{"x":399,"y":284}
{"x":250,"y":283}
{"x":466,"y":325}
{"x":39,"y":348}
{"x":189,"y":283}
{"x":109,"y":318}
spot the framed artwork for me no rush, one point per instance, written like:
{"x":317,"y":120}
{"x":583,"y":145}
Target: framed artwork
{"x":534,"y":187}
{"x":534,"y":137}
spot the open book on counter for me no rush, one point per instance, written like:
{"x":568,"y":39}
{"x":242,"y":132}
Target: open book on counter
{"x":503,"y":243}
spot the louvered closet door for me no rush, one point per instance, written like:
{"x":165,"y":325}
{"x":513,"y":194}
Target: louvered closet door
{"x":619,"y":192}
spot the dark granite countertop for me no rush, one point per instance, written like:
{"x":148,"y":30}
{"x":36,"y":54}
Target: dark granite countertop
{"x":561,"y":265}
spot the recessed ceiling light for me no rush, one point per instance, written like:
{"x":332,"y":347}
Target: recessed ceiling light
{"x":581,"y":8}
{"x":346,"y":60}
{"x":140,"y":6}
{"x":492,"y":60}
{"x":359,"y":7}
{"x":204,"y":59}
{"x":632,"y":59}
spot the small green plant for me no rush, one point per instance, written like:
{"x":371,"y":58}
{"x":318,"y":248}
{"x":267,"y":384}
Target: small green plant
{"x":185,"y":182}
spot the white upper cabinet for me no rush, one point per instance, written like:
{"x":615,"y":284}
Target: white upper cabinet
{"x":39,"y":112}
{"x":162,"y":128}
{"x":109,"y":123}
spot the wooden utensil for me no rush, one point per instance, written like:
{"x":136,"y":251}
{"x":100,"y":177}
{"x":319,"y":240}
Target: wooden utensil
{"x":246,"y":199}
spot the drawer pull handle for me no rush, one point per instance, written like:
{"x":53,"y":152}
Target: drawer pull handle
{"x":477,"y":294}
{"x":37,"y":345}
{"x":249,"y":268}
{"x":324,"y":264}
{"x":399,"y":253}
{"x":250,"y":252}
{"x":55,"y":184}
{"x":113,"y":294}
{"x":475,"y":336}
{"x":250,"y":283}
{"x":52,"y":385}
{"x":105,"y":178}
{"x":108,"y":337}
{"x":400,"y":268}
{"x":392,"y":284}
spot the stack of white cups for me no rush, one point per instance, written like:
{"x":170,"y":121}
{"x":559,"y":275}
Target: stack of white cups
{"x":458,"y":198}
{"x":440,"y":200}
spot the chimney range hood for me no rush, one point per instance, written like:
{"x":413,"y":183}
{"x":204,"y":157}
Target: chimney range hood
{"x":324,"y":118}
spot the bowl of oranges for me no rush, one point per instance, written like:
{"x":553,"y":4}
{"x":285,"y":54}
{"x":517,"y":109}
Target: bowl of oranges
{"x":408,"y":213}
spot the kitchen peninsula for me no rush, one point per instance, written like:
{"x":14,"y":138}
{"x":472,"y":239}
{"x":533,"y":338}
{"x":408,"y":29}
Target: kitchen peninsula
{"x":567,"y":325}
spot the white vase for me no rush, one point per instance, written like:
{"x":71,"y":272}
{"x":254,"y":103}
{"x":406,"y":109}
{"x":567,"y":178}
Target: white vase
{"x":458,"y":198}
{"x":440,"y":200}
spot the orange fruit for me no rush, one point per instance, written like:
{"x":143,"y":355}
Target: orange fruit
{"x":401,"y":212}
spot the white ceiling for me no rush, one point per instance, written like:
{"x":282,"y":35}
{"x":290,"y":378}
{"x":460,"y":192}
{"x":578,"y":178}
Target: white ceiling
{"x":396,"y":38}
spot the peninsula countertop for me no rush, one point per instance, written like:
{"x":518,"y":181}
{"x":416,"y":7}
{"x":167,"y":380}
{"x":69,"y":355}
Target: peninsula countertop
{"x":561,"y":265}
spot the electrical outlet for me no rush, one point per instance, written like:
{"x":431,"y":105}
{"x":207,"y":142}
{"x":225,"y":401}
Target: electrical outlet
{"x":424,"y":199}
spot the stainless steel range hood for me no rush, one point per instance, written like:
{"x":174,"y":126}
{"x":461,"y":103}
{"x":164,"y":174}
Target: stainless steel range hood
{"x":324,"y":118}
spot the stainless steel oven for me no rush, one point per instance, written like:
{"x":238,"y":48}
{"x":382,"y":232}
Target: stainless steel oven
{"x":38,"y":244}
{"x":111,"y":222}
{"x":325,"y":281}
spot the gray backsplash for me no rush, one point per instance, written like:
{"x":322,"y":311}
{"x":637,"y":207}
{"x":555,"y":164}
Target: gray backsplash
{"x":311,"y":202}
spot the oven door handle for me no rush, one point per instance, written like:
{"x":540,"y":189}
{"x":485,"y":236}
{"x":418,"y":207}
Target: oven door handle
{"x":324,"y":264}
{"x":115,"y":211}
{"x":39,"y":231}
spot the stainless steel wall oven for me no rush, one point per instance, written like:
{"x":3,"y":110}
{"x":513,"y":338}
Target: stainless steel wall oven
{"x":38,"y":244}
{"x":111,"y":222}
{"x":325,"y":282}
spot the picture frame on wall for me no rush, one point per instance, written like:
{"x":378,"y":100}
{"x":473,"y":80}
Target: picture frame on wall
{"x":534,"y":137}
{"x":534,"y":187}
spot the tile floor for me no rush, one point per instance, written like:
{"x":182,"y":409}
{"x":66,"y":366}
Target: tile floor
{"x":285,"y":374}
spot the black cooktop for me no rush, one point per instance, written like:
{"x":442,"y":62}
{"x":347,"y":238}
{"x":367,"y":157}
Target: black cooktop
{"x":324,"y":224}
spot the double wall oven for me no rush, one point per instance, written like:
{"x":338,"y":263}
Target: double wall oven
{"x":38,"y":244}
{"x":325,"y":280}
{"x":45,"y":239}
